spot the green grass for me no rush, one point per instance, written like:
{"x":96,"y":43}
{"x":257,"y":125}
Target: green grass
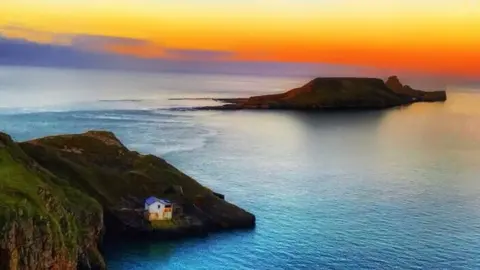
{"x":18,"y":187}
{"x":31,"y":195}
{"x":110,"y":173}
{"x":163,"y":224}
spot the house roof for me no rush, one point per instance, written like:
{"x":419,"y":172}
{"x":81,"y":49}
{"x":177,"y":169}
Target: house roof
{"x":165,"y":201}
{"x":152,"y":199}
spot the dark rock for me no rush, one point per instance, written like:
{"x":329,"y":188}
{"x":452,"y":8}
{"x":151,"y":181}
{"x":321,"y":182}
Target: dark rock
{"x":416,"y":95}
{"x":174,"y":189}
{"x":221,"y":196}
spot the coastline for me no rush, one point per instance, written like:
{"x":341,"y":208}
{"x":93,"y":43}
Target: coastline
{"x":87,"y":179}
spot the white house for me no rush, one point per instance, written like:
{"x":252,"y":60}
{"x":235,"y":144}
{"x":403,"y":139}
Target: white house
{"x":158,"y":209}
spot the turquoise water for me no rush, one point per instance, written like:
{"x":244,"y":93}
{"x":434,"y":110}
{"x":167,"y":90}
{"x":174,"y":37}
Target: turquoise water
{"x":371,"y":190}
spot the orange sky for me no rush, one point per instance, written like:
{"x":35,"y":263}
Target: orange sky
{"x":431,"y":36}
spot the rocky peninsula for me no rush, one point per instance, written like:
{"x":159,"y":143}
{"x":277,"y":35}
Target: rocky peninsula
{"x":61,"y":195}
{"x":336,"y":94}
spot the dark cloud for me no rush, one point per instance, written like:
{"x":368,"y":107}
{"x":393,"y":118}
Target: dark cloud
{"x":24,"y":52}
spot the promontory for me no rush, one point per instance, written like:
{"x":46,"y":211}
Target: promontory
{"x":61,"y":195}
{"x":336,"y":93}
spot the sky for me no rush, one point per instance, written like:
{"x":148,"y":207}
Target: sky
{"x":440,"y":37}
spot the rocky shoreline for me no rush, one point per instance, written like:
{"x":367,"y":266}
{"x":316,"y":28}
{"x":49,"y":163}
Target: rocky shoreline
{"x":61,"y":195}
{"x":335,"y":94}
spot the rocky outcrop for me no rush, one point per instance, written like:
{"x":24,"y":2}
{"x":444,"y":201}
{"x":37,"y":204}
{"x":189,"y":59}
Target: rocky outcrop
{"x":61,"y":195}
{"x":420,"y":96}
{"x":336,"y":94}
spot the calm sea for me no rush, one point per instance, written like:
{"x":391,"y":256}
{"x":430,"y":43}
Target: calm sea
{"x":368,"y":190}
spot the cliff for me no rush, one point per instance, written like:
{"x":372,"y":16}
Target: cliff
{"x":336,"y":93}
{"x":45,"y":223}
{"x":59,"y":196}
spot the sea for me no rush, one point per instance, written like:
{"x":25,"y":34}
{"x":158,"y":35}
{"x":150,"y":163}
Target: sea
{"x":392,"y":189}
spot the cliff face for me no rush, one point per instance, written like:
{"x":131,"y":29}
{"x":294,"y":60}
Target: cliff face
{"x":337,"y":93}
{"x":44,"y":222}
{"x":59,"y":195}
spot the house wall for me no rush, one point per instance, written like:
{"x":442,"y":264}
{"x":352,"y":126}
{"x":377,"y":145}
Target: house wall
{"x":155,"y":208}
{"x":157,"y":211}
{"x":167,"y":213}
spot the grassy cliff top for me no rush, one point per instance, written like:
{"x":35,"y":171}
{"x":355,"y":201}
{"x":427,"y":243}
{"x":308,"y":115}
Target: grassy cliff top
{"x":97,"y":163}
{"x":29,"y":194}
{"x":25,"y":184}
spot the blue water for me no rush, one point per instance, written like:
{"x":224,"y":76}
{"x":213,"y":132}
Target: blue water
{"x":374,"y":190}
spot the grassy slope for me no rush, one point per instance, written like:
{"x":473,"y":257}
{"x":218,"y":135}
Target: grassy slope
{"x":351,"y":91}
{"x":99,"y":165}
{"x":29,"y":193}
{"x":109,"y":171}
{"x":348,"y":92}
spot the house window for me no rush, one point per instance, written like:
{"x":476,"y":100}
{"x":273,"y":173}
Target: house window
{"x":159,"y":207}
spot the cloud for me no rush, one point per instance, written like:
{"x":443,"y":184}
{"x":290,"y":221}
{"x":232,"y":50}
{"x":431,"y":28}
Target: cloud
{"x":95,"y":42}
{"x":114,"y":45}
{"x":20,"y":32}
{"x":86,"y":51}
{"x":86,"y":42}
{"x":16,"y":51}
{"x":24,"y":46}
{"x":204,"y":55}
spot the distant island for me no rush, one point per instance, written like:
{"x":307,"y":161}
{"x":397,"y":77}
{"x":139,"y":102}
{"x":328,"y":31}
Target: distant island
{"x":336,"y":94}
{"x":61,"y":195}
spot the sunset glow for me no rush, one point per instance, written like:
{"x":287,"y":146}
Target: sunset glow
{"x":431,"y":36}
